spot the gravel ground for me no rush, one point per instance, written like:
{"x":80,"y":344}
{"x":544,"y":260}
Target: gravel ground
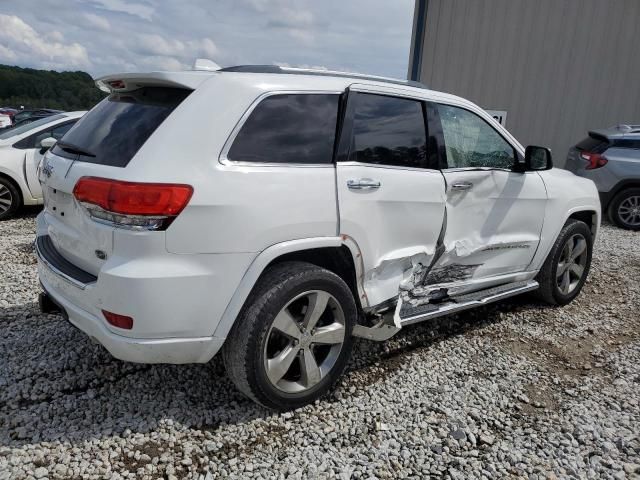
{"x":513,"y":390}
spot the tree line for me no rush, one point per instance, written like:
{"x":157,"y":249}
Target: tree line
{"x":34,"y":88}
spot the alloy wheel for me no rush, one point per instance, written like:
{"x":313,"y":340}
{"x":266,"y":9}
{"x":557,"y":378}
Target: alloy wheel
{"x":6,"y":199}
{"x":572,"y":263}
{"x":629,"y":211}
{"x":304,"y":341}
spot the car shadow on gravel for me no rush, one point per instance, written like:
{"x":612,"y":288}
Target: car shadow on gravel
{"x":55,"y":384}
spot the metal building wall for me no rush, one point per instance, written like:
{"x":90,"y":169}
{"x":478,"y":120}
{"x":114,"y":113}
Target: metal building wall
{"x":558,"y":67}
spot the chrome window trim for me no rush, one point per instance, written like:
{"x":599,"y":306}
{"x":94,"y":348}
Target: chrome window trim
{"x":353,"y":163}
{"x":224,"y":158}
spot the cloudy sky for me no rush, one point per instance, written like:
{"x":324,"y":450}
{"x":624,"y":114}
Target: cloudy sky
{"x":103,"y":36}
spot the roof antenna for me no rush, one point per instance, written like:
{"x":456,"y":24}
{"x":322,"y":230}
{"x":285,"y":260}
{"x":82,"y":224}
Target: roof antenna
{"x":206,"y":64}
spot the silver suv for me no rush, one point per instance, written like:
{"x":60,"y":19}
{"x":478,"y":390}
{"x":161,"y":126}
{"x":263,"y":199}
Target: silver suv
{"x":611,"y":158}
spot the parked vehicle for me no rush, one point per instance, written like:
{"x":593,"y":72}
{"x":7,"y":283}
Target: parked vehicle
{"x":275,"y":213}
{"x":611,"y":158}
{"x":21,"y":150}
{"x":6,"y":117}
{"x":26,"y":116}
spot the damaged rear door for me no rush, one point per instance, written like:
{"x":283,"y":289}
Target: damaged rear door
{"x":390,"y":191}
{"x":494,"y":214}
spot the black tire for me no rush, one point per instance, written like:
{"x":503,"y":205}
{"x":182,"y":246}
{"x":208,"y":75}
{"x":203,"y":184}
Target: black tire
{"x":9,"y":192}
{"x":549,"y":290}
{"x":614,"y":207}
{"x":245,"y":351}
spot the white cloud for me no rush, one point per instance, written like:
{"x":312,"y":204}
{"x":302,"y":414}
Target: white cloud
{"x":159,"y":62}
{"x":140,"y":10}
{"x":21,"y":42}
{"x":370,"y":36}
{"x":97,"y":21}
{"x":157,"y":45}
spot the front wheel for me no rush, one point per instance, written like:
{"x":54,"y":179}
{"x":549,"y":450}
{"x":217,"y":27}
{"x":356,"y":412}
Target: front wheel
{"x":564,"y":272}
{"x":292,"y":339}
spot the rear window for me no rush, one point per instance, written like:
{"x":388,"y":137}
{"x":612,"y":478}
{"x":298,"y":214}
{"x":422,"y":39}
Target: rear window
{"x":289,"y":128}
{"x":593,"y":144}
{"x":115,"y":129}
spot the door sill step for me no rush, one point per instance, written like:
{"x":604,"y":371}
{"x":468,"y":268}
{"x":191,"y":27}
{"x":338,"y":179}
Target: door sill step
{"x":409,"y":314}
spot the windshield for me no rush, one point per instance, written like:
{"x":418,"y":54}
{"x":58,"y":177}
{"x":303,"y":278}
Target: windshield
{"x":12,"y":132}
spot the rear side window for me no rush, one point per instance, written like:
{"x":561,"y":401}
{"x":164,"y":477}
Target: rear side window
{"x":388,"y":131}
{"x":627,"y":143}
{"x":593,"y":144}
{"x":115,"y":129}
{"x":289,"y":128}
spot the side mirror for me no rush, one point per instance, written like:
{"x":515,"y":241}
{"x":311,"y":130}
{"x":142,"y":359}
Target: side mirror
{"x":537,"y":158}
{"x":46,"y":143}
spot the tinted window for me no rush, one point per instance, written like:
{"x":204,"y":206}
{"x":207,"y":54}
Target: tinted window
{"x":388,"y":131}
{"x":291,"y":128}
{"x":471,"y":142}
{"x":625,"y":143}
{"x":593,"y":144}
{"x":115,"y":129}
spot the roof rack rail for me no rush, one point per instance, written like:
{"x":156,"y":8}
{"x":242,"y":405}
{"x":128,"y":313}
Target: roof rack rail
{"x":319,"y":72}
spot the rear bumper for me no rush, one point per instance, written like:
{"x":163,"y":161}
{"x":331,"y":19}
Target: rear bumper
{"x":139,"y":350}
{"x":176,"y":301}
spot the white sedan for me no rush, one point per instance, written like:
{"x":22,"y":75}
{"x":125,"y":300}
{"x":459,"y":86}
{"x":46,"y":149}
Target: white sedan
{"x":21,"y":149}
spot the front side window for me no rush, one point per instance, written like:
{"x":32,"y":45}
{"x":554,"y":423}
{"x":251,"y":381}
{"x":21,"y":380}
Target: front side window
{"x":289,"y":128}
{"x":471,"y":142}
{"x":388,"y":131}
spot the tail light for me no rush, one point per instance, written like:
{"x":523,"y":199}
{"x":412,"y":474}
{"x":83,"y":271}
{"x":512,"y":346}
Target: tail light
{"x":596,"y":160}
{"x":140,"y":206}
{"x":117,"y":320}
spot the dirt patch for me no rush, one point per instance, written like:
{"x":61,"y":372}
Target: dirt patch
{"x":538,"y":398}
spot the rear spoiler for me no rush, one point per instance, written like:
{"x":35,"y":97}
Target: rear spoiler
{"x":125,"y":82}
{"x":598,"y":135}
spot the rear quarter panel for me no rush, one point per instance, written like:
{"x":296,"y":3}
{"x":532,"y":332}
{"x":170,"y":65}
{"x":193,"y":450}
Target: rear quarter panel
{"x":234,"y":208}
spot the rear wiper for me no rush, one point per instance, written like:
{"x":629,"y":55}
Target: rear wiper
{"x":71,"y":148}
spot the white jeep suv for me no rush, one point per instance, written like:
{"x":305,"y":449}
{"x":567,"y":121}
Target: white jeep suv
{"x":273,"y":214}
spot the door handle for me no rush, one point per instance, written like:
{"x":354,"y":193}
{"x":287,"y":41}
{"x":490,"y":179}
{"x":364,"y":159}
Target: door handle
{"x":459,"y":186}
{"x":363,"y":184}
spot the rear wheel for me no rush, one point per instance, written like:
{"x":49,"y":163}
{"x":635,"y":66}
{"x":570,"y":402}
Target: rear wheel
{"x":624,"y":209}
{"x":564,"y":272}
{"x":292,"y":340}
{"x":10,"y":199}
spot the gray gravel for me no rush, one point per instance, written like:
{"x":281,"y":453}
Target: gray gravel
{"x":513,"y":390}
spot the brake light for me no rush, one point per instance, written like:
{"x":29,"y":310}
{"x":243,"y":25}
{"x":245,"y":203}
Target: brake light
{"x":116,"y":84}
{"x":149,"y":206}
{"x":120,"y":321}
{"x":596,"y":160}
